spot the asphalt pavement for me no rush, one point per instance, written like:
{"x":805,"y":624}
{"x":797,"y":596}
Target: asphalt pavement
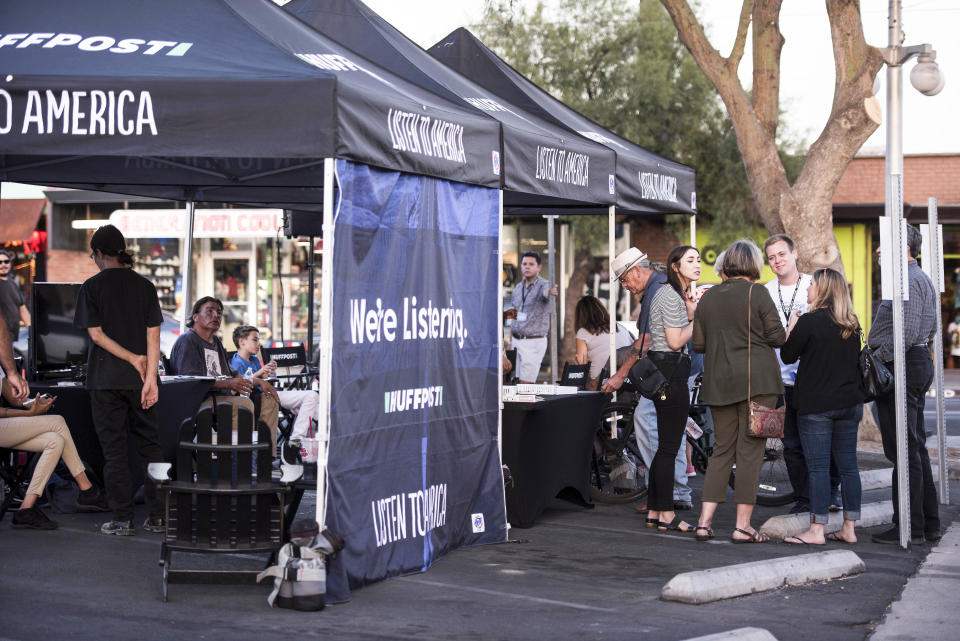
{"x":577,"y":573}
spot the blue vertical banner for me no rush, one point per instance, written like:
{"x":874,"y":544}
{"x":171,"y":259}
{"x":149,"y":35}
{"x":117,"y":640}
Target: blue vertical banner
{"x":414,"y":470}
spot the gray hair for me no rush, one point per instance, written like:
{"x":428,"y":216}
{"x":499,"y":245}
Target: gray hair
{"x":718,"y":264}
{"x":743,"y":258}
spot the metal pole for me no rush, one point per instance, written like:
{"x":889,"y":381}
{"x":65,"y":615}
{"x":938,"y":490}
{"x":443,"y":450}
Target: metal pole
{"x":326,"y":340}
{"x":187,"y":274}
{"x":895,"y":213}
{"x":936,"y":268}
{"x":553,"y":302}
{"x":693,"y":230}
{"x":500,"y":352}
{"x":611,"y":297}
{"x":310,"y":270}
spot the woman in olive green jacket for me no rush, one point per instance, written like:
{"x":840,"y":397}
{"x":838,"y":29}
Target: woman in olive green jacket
{"x":720,"y":332}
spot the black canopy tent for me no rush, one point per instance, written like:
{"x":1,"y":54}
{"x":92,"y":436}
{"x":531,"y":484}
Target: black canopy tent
{"x":645,"y":182}
{"x":543,"y":164}
{"x":217,"y":100}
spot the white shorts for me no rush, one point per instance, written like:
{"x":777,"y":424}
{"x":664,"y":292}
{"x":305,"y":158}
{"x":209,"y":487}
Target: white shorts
{"x":530,"y":353}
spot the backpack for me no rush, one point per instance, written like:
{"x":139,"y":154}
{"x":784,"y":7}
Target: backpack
{"x":300,"y":575}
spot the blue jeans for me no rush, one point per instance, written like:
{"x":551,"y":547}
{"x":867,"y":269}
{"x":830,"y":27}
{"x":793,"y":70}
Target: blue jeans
{"x":833,"y":432}
{"x":793,"y":455}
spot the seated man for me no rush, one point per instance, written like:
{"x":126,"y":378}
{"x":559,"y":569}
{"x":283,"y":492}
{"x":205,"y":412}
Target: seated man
{"x":199,"y":352}
{"x":303,"y":402}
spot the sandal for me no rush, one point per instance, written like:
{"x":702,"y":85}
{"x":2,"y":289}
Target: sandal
{"x":675,"y":525}
{"x":835,"y":536}
{"x":703,"y":537}
{"x":652,"y":523}
{"x":755,"y":537}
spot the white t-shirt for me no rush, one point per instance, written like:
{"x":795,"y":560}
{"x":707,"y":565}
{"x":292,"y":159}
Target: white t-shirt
{"x":787,"y":299}
{"x":598,"y":347}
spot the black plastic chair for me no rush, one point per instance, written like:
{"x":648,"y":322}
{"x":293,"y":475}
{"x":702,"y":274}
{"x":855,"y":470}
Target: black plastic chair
{"x":219,"y":503}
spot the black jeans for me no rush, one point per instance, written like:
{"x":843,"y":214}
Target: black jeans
{"x":793,"y":454}
{"x":672,"y":415}
{"x":924,"y":510}
{"x":116,"y":415}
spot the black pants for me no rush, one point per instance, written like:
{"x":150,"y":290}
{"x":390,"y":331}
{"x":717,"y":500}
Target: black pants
{"x":793,"y":454}
{"x":672,"y":414}
{"x":924,"y":510}
{"x":116,"y":415}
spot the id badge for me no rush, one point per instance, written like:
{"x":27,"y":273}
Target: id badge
{"x":521,"y":317}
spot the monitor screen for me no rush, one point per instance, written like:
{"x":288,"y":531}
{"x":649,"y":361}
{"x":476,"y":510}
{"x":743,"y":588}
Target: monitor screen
{"x":55,"y":344}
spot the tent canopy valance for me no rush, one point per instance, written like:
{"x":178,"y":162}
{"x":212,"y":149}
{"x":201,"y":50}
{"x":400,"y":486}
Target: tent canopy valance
{"x":645,"y":182}
{"x":218,"y":100}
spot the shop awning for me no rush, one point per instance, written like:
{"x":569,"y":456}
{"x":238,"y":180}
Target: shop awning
{"x":18,"y":218}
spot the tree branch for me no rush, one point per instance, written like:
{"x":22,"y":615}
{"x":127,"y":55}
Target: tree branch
{"x":767,"y":44}
{"x":736,"y":54}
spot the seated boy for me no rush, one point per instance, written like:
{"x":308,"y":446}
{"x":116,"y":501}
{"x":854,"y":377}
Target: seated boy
{"x":303,"y":402}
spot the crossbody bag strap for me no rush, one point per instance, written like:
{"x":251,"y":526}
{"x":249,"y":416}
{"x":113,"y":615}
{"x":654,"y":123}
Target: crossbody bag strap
{"x":749,"y":336}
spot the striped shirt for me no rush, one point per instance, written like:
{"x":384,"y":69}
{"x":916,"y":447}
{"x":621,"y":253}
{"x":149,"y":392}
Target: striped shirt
{"x":666,"y":310}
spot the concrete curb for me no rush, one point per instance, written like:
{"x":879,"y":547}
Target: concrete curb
{"x":871,"y":514}
{"x":876,"y":479}
{"x":927,"y":607}
{"x":741,"y":579}
{"x":740,"y":634}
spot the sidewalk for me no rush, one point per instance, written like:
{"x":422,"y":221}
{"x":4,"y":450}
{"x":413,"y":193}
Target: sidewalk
{"x":927,"y":608}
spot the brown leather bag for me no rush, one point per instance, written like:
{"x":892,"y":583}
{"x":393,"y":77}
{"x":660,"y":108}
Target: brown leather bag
{"x":764,"y":422}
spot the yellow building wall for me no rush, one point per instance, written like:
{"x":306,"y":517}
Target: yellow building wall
{"x":856,"y":253}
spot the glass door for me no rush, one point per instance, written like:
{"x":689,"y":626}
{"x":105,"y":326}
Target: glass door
{"x":234,"y":285}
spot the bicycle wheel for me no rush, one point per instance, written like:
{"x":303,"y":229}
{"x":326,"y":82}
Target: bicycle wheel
{"x":774,"y":488}
{"x":614,"y":473}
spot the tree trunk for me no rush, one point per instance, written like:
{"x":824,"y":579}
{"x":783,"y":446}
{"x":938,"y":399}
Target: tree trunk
{"x":582,"y":267}
{"x":803,"y":210}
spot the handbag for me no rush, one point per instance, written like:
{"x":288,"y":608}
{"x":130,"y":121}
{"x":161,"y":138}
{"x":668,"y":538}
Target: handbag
{"x":764,"y":422}
{"x":875,"y":379}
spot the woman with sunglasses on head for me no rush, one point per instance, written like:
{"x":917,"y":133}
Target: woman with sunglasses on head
{"x":828,"y":400}
{"x":671,"y":326}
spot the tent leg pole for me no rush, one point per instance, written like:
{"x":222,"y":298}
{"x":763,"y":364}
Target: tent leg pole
{"x":187,"y":262}
{"x":326,"y":339}
{"x":554,"y":330}
{"x":500,"y":352}
{"x":310,"y":284}
{"x":611,"y":294}
{"x":936,"y":258}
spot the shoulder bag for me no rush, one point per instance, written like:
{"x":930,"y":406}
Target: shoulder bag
{"x":875,"y":379}
{"x":764,"y":422}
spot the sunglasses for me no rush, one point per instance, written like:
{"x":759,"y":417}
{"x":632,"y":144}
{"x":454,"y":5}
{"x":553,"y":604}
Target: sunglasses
{"x":4,"y":262}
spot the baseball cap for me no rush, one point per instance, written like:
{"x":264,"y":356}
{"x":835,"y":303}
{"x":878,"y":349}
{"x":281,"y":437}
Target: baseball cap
{"x":625,"y":260}
{"x":108,"y":239}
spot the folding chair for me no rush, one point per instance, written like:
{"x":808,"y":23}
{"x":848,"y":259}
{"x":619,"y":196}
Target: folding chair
{"x":575,"y":375}
{"x":293,"y":372}
{"x":218,"y":503}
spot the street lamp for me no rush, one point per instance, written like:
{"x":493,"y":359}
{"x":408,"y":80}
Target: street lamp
{"x":927,"y":78}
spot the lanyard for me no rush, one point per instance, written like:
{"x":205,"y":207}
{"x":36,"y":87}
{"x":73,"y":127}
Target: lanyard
{"x":523,"y":294}
{"x":786,"y":311}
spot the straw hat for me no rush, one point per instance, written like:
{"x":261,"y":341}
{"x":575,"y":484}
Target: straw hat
{"x":625,"y":260}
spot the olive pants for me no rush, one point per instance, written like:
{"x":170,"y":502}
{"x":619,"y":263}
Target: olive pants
{"x":734,"y":446}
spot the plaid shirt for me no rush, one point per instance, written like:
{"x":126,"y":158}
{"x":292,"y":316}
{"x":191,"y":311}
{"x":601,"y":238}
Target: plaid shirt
{"x":919,"y":317}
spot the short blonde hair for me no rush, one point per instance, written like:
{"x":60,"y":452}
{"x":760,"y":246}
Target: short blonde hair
{"x":743,"y":258}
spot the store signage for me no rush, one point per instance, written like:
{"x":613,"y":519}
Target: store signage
{"x":208,"y":223}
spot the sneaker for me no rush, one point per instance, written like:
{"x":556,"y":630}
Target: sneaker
{"x":799,"y":508}
{"x":155,"y":524}
{"x":120,"y":528}
{"x":33,"y":519}
{"x":691,"y":470}
{"x":92,"y":500}
{"x":892,"y":537}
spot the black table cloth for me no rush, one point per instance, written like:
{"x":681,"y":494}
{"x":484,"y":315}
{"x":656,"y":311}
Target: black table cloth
{"x":179,"y":399}
{"x":547,"y":447}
